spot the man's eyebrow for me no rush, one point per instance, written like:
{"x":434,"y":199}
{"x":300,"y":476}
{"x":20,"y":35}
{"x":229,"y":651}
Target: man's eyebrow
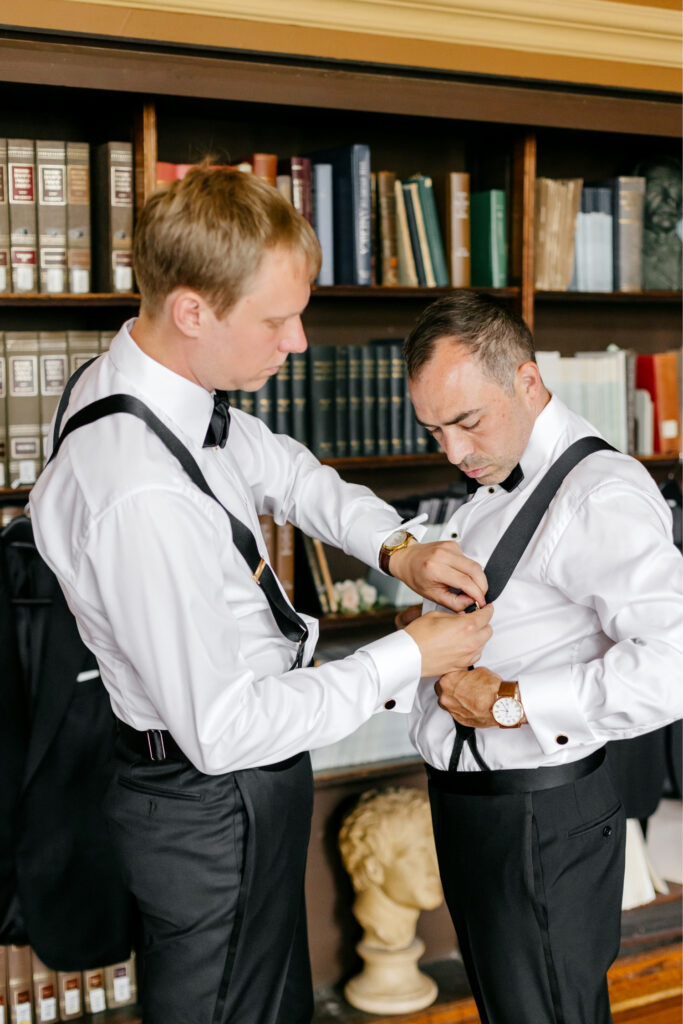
{"x":457,"y":419}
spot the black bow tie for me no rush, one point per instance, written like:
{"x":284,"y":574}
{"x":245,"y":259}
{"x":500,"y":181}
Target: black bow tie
{"x":508,"y":484}
{"x":217,"y":434}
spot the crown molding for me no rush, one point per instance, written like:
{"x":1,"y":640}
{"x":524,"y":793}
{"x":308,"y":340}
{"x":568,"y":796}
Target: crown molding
{"x":602,"y":30}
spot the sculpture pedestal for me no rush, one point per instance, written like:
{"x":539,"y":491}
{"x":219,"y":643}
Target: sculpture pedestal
{"x":390,"y":981}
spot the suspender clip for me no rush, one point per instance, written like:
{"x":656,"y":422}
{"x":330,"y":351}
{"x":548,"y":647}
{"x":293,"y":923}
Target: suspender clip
{"x":259,"y":569}
{"x":155,"y":744}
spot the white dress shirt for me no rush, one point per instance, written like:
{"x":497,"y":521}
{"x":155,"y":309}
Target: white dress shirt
{"x":184,"y":637}
{"x":591,"y":622}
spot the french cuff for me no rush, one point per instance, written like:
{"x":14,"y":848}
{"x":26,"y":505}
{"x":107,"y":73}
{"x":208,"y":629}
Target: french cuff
{"x":552,"y":710}
{"x":397,"y":661}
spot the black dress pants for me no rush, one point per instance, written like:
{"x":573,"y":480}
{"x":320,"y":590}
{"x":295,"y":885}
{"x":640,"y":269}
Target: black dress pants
{"x":216,"y":864}
{"x":533,"y":882}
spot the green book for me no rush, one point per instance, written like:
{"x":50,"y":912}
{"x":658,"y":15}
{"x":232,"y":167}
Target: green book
{"x":425,"y":188}
{"x":355,"y":401}
{"x":299,"y":386}
{"x":283,"y":399}
{"x":246,"y":401}
{"x":265,"y":403}
{"x":488,"y":239}
{"x":368,"y":370}
{"x":322,"y":391}
{"x":408,"y":419}
{"x":396,"y":398}
{"x":382,"y":404}
{"x":341,"y":402}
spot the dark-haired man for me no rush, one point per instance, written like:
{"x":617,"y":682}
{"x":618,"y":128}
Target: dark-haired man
{"x":587,"y":648}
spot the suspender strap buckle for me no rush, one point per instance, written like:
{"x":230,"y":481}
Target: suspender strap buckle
{"x":155,"y":743}
{"x":256,"y":575}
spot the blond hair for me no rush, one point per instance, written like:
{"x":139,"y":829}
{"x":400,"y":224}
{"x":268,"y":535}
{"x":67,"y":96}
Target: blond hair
{"x":209,"y":232}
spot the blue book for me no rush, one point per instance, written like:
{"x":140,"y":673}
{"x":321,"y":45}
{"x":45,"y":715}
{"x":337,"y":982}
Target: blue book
{"x":323,"y":220}
{"x":351,"y":211}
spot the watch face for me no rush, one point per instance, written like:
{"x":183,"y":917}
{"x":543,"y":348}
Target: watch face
{"x":507,"y":711}
{"x":396,"y":538}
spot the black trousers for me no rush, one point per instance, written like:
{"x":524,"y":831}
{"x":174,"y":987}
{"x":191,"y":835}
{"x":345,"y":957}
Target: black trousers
{"x":216,"y":864}
{"x":534,"y":883}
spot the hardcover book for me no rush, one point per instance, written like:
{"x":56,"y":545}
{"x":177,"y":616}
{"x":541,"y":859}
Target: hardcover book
{"x":20,"y":984}
{"x":3,"y":420}
{"x":264,"y":403}
{"x":355,"y":401}
{"x":284,"y":558}
{"x":311,"y":593}
{"x":82,"y":346}
{"x":299,"y":385}
{"x":114,"y":217}
{"x":264,"y":165}
{"x":383,"y":403}
{"x":352,"y":213}
{"x":121,"y":983}
{"x":407,"y":271}
{"x":323,"y":220}
{"x":368,"y":376}
{"x":52,"y":200}
{"x":411,"y":201}
{"x":341,"y":402}
{"x":45,"y":996}
{"x":458,"y":228}
{"x":387,"y":227}
{"x":78,"y":236}
{"x":23,"y":407}
{"x":628,"y":201}
{"x":94,"y":994}
{"x":321,"y":366}
{"x":396,"y":398}
{"x":21,"y":174}
{"x":430,"y":216}
{"x":5,"y":265}
{"x":70,"y":984}
{"x":489,"y":239}
{"x":53,"y":362}
{"x":657,"y":373}
{"x":283,"y":399}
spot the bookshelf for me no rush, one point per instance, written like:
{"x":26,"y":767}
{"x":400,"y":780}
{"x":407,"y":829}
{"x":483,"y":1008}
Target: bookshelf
{"x":175,"y":103}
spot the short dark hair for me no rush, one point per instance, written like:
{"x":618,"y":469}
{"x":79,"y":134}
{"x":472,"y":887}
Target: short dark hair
{"x":496,"y":335}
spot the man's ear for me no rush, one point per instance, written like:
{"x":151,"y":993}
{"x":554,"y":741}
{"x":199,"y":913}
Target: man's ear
{"x":528,"y":380}
{"x":373,"y":870}
{"x":187,"y":308}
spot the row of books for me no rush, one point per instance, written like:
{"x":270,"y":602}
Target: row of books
{"x":342,"y":401}
{"x":31,"y":993}
{"x":46,"y":241}
{"x":375,"y":228}
{"x":34,"y":369}
{"x":595,"y":238}
{"x":632,"y":398}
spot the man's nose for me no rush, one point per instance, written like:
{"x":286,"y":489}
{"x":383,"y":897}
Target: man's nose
{"x":456,"y":445}
{"x":294,"y":339}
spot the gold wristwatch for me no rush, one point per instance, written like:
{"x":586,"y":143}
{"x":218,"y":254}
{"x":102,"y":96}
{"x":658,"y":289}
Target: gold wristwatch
{"x":396,"y":541}
{"x":507,"y":708}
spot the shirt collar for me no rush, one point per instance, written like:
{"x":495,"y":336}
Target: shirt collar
{"x":186,"y":404}
{"x":548,"y":439}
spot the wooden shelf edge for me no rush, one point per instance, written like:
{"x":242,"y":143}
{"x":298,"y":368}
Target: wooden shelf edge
{"x":609,"y":297}
{"x":400,"y":291}
{"x":69,"y":299}
{"x":328,"y":777}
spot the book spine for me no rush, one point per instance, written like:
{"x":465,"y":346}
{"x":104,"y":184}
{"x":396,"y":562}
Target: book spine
{"x":368,"y":362}
{"x":105,"y":339}
{"x":411,"y":217}
{"x":316,"y":575}
{"x":325,"y":575}
{"x":299,"y":384}
{"x":433,"y":230}
{"x":388,"y":239}
{"x":363,"y":216}
{"x":78,"y":232}
{"x":264,"y":406}
{"x":45,"y":996}
{"x":21,"y":173}
{"x":247,"y":402}
{"x":283,"y":399}
{"x":408,"y":418}
{"x":121,"y":983}
{"x":4,"y":1008}
{"x":489,"y":253}
{"x":51,"y":193}
{"x":396,"y":399}
{"x":458,"y":228}
{"x":383,"y":406}
{"x":53,"y":374}
{"x":629,"y":200}
{"x":375,"y":271}
{"x":407,"y":272}
{"x":20,"y":984}
{"x":264,"y":165}
{"x":355,"y":402}
{"x":267,"y":524}
{"x":94,"y":991}
{"x":23,"y":407}
{"x":341,"y":402}
{"x":284,"y":558}
{"x":81,"y":347}
{"x":430,"y":280}
{"x":323,"y":220}
{"x":5,"y":264}
{"x":114,"y":221}
{"x":322,"y":387}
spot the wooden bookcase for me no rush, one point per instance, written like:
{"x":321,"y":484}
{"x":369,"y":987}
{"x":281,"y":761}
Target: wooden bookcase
{"x":177,"y":104}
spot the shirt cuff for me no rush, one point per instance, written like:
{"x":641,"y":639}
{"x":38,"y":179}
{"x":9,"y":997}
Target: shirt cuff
{"x":413,"y":526}
{"x":551,"y":706}
{"x":397,"y":661}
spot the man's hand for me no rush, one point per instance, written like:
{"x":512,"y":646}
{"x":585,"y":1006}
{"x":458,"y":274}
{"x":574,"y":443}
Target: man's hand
{"x":469,"y":696}
{"x":450,"y":641}
{"x":435,"y":570}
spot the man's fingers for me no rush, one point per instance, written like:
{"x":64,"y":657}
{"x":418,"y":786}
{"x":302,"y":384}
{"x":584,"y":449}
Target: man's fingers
{"x":406,"y":615}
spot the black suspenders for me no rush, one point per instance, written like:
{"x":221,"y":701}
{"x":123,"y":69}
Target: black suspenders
{"x":512,"y":546}
{"x":289,"y":623}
